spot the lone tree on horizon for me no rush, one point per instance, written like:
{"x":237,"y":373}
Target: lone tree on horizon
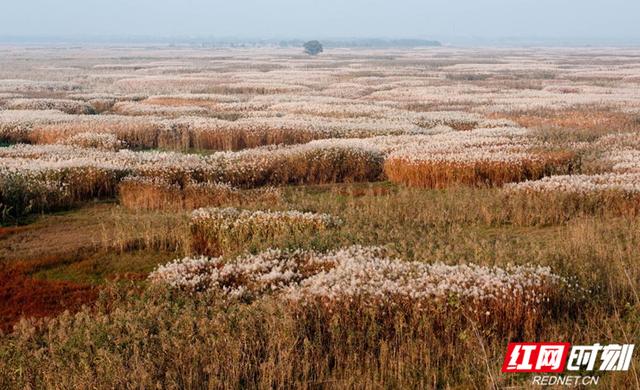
{"x":313,"y":48}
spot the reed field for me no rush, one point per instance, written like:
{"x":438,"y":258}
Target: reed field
{"x":181,"y":217}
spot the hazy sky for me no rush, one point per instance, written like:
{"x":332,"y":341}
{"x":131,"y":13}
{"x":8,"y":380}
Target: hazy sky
{"x":324,"y":18}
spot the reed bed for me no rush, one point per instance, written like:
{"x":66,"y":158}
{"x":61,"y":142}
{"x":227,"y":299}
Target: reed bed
{"x":144,"y":193}
{"x":557,"y":199}
{"x":264,"y":344}
{"x":134,"y":132}
{"x":306,"y":164}
{"x":482,"y":171}
{"x":217,"y":231}
{"x":461,"y":121}
{"x":178,"y":128}
{"x":480,"y":157}
{"x":368,"y":277}
{"x":65,"y":105}
{"x":35,"y":191}
{"x":556,"y":129}
{"x":104,"y":141}
{"x":145,"y":109}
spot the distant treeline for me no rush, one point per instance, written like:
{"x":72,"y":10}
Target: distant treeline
{"x":327,"y":43}
{"x":366,"y":43}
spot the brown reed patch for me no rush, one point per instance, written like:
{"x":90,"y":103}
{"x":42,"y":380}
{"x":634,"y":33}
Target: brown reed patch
{"x":149,"y":196}
{"x":134,"y":133}
{"x":159,"y":195}
{"x":176,"y":136}
{"x":589,"y":119}
{"x":238,"y":139}
{"x":443,"y":174}
{"x":331,"y":165}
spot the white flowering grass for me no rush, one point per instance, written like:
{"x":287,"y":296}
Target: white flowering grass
{"x":251,"y":169}
{"x":627,"y":183}
{"x":177,"y":128}
{"x":65,"y":105}
{"x":23,"y":85}
{"x":16,"y":125}
{"x":34,"y":190}
{"x":310,"y":163}
{"x":556,"y":199}
{"x":624,"y":160}
{"x":217,"y":231}
{"x":459,"y":120}
{"x":368,"y":277}
{"x":104,"y":141}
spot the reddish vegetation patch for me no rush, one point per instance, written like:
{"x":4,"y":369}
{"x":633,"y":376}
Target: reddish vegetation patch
{"x":24,"y":296}
{"x":34,"y":265}
{"x":8,"y":230}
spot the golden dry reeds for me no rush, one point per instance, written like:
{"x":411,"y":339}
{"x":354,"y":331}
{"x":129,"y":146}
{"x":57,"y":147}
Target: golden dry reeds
{"x":154,"y":194}
{"x":135,"y":133}
{"x":307,"y":164}
{"x":442,"y":173}
{"x":238,"y":139}
{"x":589,"y":120}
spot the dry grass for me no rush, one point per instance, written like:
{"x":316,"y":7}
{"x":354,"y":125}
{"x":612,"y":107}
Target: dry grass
{"x":158,"y":195}
{"x":216,"y":231}
{"x":440,"y":210}
{"x":238,"y":139}
{"x":139,"y":230}
{"x":443,"y":174}
{"x":264,"y":344}
{"x":136,"y":134}
{"x":551,"y":208}
{"x":581,"y":123}
{"x":149,"y":339}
